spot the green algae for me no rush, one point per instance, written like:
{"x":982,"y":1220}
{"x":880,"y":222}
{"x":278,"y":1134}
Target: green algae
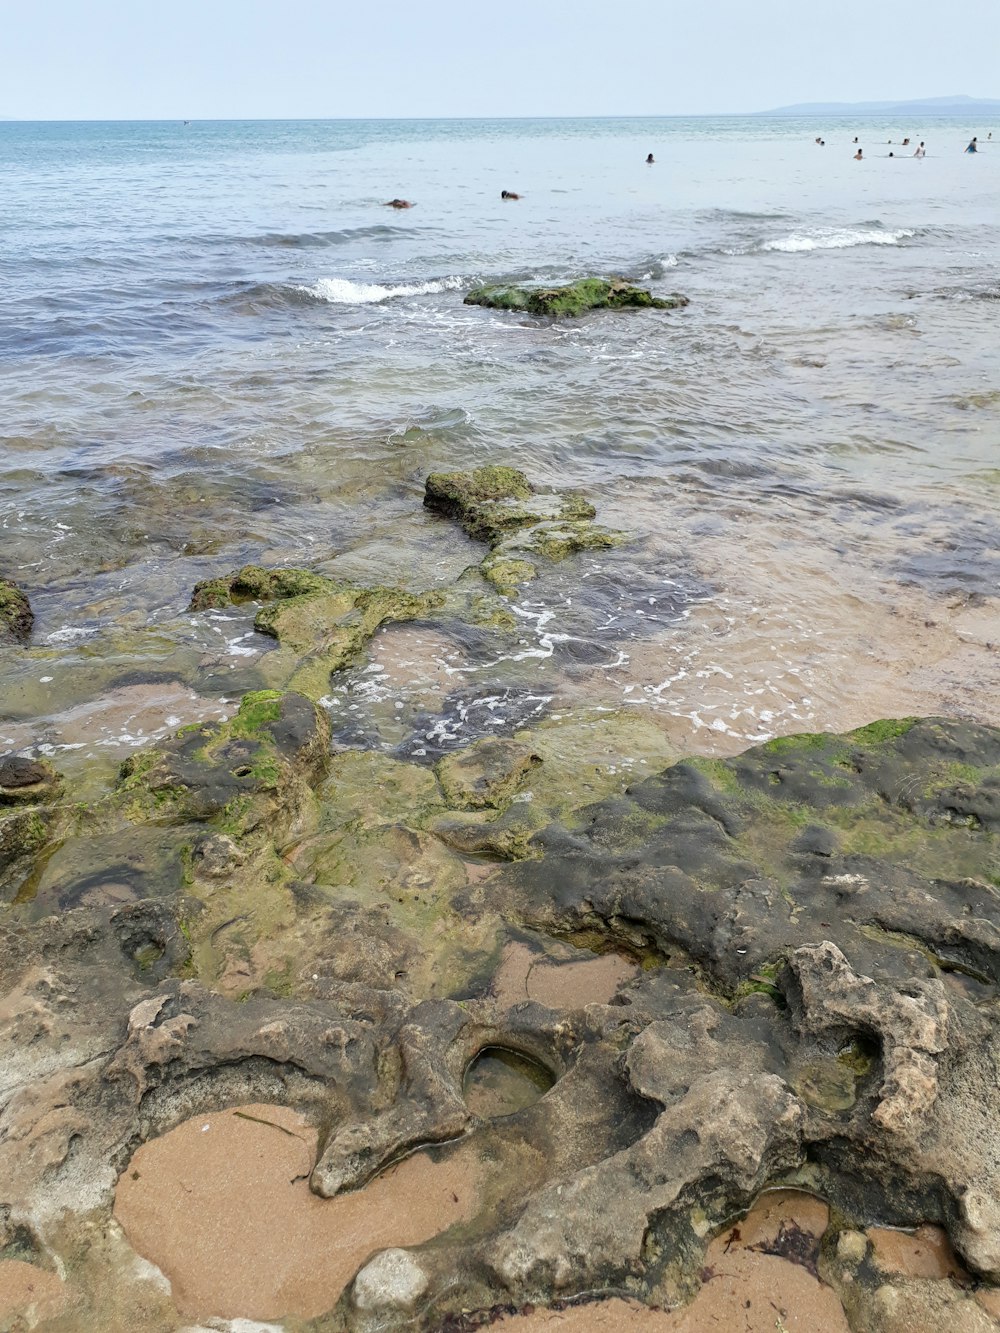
{"x":499,"y":506}
{"x":16,"y":616}
{"x":321,"y":625}
{"x":572,"y":300}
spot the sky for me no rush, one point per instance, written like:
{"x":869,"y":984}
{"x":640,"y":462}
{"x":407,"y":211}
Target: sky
{"x":194,"y":59}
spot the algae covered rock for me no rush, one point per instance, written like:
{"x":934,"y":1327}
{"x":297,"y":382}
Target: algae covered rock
{"x":574,"y":299}
{"x":244,"y":772}
{"x":320,"y":623}
{"x":16,"y":615}
{"x":486,"y":774}
{"x":499,"y":505}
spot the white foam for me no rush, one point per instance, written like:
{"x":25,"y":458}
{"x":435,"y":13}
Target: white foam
{"x":836,"y":238}
{"x":341,"y":291}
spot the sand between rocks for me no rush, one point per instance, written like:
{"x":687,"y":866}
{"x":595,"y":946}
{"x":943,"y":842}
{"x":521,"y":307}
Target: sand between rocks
{"x":222,"y":1205}
{"x":746,"y":1288}
{"x":583,"y":979}
{"x":28,"y":1290}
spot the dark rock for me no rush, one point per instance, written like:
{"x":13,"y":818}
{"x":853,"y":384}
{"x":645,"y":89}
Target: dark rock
{"x":27,"y":781}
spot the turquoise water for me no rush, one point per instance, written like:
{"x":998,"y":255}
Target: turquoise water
{"x":217,"y":345}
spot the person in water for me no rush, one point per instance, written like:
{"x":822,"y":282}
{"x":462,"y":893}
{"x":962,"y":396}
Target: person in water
{"x":906,"y":143}
{"x":973,"y":146}
{"x":921,"y":151}
{"x":855,"y":138}
{"x":858,"y":157}
{"x":398,"y":203}
{"x":650,"y":159}
{"x":509,"y":194}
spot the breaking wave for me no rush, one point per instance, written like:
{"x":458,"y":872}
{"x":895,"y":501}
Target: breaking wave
{"x":341,"y":291}
{"x":836,"y":238}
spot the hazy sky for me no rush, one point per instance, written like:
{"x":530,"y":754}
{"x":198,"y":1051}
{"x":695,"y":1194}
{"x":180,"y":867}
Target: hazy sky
{"x":77,"y":59}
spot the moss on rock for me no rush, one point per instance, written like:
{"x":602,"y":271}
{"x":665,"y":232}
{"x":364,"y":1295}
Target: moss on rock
{"x":16,"y":615}
{"x":251,"y":770}
{"x":499,"y":505}
{"x":321,"y":624}
{"x":572,"y":300}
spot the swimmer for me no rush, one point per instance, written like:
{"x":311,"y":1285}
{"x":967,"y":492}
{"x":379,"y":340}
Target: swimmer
{"x":509,"y":194}
{"x":855,"y":138}
{"x":650,"y":159}
{"x":906,"y":143}
{"x":858,"y":157}
{"x":921,"y":151}
{"x":973,"y":146}
{"x":892,"y":154}
{"x":398,"y":203}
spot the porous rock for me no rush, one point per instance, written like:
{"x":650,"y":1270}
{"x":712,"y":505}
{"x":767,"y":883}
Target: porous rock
{"x":392,"y":1280}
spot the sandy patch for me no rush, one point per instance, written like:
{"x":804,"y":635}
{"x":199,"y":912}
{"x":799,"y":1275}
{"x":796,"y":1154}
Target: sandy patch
{"x":116,"y":721}
{"x":29,"y":1291}
{"x":749,"y":1287}
{"x":925,"y":1252}
{"x":222,"y":1206}
{"x":791,"y":648}
{"x":524,"y":974}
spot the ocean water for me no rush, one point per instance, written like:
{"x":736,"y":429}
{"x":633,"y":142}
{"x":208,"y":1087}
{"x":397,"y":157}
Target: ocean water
{"x":217,"y":345}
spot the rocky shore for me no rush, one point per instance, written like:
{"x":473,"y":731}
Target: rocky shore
{"x":356,"y":1038}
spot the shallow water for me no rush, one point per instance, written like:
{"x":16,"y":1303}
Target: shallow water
{"x":217,"y":346}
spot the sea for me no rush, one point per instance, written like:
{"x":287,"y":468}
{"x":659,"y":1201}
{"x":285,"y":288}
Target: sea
{"x":219,"y":346}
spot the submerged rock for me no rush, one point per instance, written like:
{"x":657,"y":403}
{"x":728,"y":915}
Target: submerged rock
{"x":499,"y":505}
{"x":320,"y":623}
{"x":574,"y":299}
{"x":16,"y":615}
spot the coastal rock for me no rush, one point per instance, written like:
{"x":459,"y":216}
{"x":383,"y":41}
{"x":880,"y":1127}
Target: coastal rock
{"x":242,"y":773}
{"x":500,"y":506}
{"x":485,"y":774}
{"x":16,"y":615}
{"x":27,"y":781}
{"x":321,"y":624}
{"x":574,"y":299}
{"x":392,"y":1280}
{"x":806,"y":955}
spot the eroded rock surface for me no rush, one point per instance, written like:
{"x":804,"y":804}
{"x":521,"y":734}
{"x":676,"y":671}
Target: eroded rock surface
{"x":775,"y":970}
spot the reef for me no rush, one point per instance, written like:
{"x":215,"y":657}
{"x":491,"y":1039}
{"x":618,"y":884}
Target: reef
{"x":321,"y":624}
{"x":805,"y":950}
{"x":500,"y":506}
{"x":574,"y":299}
{"x":16,"y":615}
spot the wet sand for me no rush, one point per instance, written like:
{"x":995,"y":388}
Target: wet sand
{"x":581,"y":979}
{"x":222,"y":1206}
{"x":748,"y":1286}
{"x":925,"y":1252}
{"x":29,"y":1291}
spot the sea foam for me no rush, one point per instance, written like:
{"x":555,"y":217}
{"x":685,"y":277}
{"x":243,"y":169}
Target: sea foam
{"x":341,"y":291}
{"x":836,"y":238}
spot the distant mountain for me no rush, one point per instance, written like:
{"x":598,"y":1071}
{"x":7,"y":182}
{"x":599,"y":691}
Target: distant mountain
{"x":959,"y":105}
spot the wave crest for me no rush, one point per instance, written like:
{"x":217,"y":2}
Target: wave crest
{"x":341,"y":291}
{"x":836,"y":238}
